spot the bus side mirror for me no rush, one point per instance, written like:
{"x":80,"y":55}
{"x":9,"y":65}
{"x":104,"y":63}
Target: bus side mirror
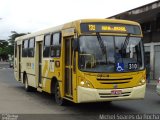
{"x":75,"y":44}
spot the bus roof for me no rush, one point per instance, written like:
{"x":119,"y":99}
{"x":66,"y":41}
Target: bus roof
{"x":73,"y":24}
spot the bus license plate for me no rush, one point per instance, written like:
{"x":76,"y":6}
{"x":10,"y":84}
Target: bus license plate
{"x":116,"y":92}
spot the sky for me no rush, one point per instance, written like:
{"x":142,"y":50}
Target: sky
{"x":25,"y":16}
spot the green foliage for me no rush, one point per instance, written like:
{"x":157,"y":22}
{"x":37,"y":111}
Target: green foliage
{"x":7,"y":47}
{"x":14,"y":36}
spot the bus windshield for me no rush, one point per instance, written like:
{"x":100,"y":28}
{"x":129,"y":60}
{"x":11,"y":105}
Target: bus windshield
{"x":110,"y":53}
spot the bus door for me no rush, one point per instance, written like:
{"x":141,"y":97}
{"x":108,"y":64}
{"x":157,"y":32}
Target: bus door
{"x":38,"y":61}
{"x":68,"y":77}
{"x":39,"y":64}
{"x":19,"y":62}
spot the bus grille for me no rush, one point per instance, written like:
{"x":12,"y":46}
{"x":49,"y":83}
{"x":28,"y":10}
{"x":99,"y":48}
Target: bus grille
{"x":114,"y":81}
{"x":109,"y":95}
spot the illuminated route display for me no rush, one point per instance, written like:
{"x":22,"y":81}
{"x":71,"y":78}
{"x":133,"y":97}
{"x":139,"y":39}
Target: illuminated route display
{"x":110,"y":27}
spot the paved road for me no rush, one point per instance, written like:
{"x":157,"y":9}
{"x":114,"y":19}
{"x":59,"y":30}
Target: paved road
{"x":14,"y":100}
{"x":4,"y":65}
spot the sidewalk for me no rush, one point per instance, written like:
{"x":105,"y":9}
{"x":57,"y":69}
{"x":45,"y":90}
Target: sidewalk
{"x":152,"y":82}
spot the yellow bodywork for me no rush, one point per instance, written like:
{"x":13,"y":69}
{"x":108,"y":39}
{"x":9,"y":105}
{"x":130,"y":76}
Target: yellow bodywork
{"x":81,"y":81}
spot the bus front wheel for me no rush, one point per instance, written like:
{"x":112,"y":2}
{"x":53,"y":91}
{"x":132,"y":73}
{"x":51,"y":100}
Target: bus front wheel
{"x":59,"y":100}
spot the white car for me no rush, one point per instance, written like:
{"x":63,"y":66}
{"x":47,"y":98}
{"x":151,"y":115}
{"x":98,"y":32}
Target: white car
{"x":158,"y":87}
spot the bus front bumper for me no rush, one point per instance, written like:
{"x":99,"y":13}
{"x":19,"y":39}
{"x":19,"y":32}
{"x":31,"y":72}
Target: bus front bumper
{"x":99,"y":95}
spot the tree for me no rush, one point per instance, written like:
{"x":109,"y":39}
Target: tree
{"x":11,"y":41}
{"x":3,"y":52}
{"x":7,"y":47}
{"x":14,"y":36}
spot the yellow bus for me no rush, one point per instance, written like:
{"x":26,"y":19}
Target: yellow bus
{"x":89,"y":60}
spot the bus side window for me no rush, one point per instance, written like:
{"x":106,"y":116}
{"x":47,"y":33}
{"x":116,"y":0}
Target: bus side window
{"x":46,"y":48}
{"x":31,"y":47}
{"x":56,"y":45}
{"x":25,"y":48}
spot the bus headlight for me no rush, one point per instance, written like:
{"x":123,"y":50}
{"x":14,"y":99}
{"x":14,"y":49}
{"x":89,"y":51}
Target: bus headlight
{"x":85,"y":83}
{"x":82,"y":83}
{"x":143,"y":80}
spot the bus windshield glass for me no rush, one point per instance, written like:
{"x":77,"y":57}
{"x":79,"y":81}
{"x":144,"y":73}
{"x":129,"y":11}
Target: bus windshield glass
{"x":110,"y":53}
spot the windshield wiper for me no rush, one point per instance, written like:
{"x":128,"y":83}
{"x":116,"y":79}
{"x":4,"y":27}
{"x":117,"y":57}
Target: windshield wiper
{"x":126,"y":41}
{"x":125,"y":44}
{"x":101,"y":43}
{"x":102,"y":46}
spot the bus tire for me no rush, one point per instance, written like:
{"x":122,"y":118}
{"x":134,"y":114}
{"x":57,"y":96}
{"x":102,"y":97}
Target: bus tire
{"x":26,"y":86}
{"x":59,"y":100}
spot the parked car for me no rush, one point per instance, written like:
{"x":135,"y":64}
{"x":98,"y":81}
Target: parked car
{"x":11,"y":63}
{"x":158,"y":87}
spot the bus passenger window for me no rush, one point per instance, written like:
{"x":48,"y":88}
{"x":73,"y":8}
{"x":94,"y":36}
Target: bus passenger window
{"x":46,"y":48}
{"x":56,"y":45}
{"x":25,"y":48}
{"x":31,"y":47}
{"x":53,"y":54}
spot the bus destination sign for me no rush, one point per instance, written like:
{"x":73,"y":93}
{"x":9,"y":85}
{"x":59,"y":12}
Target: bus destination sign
{"x":92,"y":27}
{"x":109,"y":27}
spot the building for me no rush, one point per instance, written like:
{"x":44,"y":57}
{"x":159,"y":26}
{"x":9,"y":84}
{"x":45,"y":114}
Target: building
{"x":149,"y":18}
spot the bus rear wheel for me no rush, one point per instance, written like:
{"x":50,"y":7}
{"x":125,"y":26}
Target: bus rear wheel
{"x":26,"y":86}
{"x":59,"y":100}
